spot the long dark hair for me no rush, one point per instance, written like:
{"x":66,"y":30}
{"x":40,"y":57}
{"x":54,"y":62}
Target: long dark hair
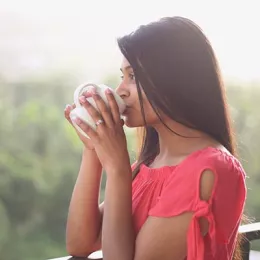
{"x":174,"y":63}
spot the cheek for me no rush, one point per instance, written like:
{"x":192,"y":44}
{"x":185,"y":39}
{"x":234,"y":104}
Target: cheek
{"x":150,"y":115}
{"x":134,"y":116}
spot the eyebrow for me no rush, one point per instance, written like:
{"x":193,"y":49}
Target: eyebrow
{"x":126,"y":68}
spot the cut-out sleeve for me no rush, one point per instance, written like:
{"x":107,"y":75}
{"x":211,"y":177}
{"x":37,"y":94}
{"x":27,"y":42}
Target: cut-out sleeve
{"x":223,"y":210}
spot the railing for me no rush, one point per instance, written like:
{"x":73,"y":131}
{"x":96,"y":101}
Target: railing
{"x":251,"y":232}
{"x":94,"y":256}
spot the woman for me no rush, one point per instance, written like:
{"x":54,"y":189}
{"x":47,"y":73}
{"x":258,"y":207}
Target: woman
{"x":188,"y":190}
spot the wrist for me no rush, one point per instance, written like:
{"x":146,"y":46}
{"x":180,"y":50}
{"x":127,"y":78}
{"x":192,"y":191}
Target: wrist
{"x":88,"y":150}
{"x":120,"y":171}
{"x":90,"y":154}
{"x":85,"y":147}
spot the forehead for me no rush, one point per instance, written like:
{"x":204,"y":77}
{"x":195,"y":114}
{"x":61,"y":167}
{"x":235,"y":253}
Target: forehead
{"x":125,"y":64}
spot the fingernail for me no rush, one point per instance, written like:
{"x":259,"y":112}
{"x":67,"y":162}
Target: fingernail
{"x":76,"y":120}
{"x":87,"y":94}
{"x":82,"y":99}
{"x":109,"y":91}
{"x":93,"y":91}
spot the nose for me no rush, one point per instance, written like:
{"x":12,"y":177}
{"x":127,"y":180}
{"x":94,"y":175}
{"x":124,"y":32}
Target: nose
{"x":122,"y":91}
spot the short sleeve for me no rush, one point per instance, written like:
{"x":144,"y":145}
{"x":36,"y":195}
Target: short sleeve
{"x":223,"y":210}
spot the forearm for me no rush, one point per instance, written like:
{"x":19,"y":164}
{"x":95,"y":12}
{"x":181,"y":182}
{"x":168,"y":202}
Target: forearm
{"x":117,"y":231}
{"x":84,"y":218}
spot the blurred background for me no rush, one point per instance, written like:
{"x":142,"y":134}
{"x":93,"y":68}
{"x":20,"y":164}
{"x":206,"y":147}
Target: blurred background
{"x":47,"y":48}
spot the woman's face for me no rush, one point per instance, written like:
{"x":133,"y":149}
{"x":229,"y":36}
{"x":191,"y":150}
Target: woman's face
{"x":127,"y":90}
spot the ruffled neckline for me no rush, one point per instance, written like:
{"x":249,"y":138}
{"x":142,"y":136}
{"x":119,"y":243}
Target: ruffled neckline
{"x":191,"y":155}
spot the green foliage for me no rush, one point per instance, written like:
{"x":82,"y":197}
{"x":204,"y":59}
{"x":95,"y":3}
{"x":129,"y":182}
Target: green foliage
{"x":40,"y":157}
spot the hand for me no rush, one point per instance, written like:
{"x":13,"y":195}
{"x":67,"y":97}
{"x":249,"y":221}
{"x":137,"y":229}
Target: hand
{"x":109,"y":138}
{"x":86,"y":141}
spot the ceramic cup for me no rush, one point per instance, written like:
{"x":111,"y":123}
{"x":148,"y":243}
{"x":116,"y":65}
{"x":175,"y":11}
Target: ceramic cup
{"x":80,"y":112}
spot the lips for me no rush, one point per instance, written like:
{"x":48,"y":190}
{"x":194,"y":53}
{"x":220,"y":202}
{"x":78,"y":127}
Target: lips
{"x":126,"y":110}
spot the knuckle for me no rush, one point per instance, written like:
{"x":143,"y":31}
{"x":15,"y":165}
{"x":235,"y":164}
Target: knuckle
{"x":96,"y":115}
{"x":87,"y":105}
{"x":102,"y":108}
{"x":84,"y":127}
{"x":101,"y":134}
{"x":105,"y":113}
{"x":91,"y":109}
{"x":113,"y":131}
{"x":118,"y":122}
{"x":114,"y":105}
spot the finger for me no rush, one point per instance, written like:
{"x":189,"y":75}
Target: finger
{"x":67,"y":111}
{"x":113,"y":106}
{"x":91,"y":110}
{"x":103,"y":109}
{"x":86,"y":128}
{"x":86,"y":94}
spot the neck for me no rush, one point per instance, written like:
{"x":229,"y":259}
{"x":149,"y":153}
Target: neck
{"x":175,"y":146}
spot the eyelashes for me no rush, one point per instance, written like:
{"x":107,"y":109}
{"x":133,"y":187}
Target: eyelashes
{"x":130,"y":76}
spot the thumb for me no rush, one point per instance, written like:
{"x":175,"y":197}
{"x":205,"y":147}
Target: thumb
{"x":122,"y":122}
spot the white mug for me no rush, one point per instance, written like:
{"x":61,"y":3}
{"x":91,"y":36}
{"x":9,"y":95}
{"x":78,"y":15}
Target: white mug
{"x":80,"y":112}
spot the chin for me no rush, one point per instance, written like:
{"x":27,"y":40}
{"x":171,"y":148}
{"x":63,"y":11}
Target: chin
{"x":132,"y":122}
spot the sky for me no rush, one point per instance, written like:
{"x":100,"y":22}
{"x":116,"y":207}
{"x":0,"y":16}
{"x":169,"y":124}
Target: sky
{"x":79,"y":37}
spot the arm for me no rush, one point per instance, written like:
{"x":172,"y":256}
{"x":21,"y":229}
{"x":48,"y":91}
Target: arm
{"x":166,"y":238}
{"x":117,"y":232}
{"x":85,"y":216}
{"x":159,"y":238}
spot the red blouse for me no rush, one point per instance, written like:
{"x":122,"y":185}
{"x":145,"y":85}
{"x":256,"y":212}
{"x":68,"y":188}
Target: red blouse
{"x":172,"y":190}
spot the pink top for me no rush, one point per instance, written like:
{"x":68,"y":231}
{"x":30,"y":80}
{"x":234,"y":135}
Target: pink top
{"x":172,"y":190}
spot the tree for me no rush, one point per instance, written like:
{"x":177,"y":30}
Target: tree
{"x":40,"y":156}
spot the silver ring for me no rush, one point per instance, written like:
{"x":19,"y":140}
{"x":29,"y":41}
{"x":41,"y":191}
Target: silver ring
{"x":100,"y":121}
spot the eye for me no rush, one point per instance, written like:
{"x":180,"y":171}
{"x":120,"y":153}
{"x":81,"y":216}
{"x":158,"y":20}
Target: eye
{"x":132,"y":76}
